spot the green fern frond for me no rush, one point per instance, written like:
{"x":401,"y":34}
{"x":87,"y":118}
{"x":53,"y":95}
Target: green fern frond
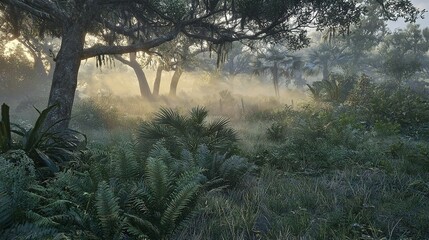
{"x":124,"y":163}
{"x":158,"y":181}
{"x":141,"y":227}
{"x":108,"y":211}
{"x":28,"y":231}
{"x":191,"y":175}
{"x":40,"y":220}
{"x":178,"y":203}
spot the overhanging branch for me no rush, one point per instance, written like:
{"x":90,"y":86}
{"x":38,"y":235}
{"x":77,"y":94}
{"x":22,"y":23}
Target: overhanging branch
{"x":136,"y":47}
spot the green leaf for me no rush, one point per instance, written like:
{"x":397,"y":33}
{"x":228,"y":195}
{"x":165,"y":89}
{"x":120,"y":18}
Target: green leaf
{"x":47,"y":161}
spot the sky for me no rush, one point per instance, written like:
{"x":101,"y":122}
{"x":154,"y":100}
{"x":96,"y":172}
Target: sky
{"x":422,"y":4}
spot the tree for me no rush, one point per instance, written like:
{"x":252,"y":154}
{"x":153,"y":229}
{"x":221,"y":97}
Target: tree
{"x":403,"y":52}
{"x":138,"y":70}
{"x":156,"y":22}
{"x":278,"y":61}
{"x":326,"y":56}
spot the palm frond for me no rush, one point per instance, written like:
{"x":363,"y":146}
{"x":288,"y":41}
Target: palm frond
{"x":170,"y":117}
{"x":198,"y":114}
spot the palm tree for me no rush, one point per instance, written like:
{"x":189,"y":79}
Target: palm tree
{"x":278,"y":62}
{"x":325,"y":57}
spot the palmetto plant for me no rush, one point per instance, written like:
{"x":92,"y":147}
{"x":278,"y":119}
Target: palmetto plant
{"x":335,"y":89}
{"x":186,"y":132}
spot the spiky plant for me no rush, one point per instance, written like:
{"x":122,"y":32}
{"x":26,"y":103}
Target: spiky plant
{"x":162,"y":202}
{"x":47,"y":146}
{"x":186,"y":132}
{"x":108,"y":212}
{"x":221,"y":170}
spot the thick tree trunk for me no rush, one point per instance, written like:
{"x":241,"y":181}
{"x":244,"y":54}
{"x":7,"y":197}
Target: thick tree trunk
{"x":157,"y":82}
{"x":64,"y":80}
{"x":175,"y":81}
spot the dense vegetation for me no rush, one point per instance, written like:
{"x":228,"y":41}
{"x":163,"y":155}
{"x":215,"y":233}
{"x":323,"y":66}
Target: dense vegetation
{"x":348,"y":159}
{"x":328,"y":169}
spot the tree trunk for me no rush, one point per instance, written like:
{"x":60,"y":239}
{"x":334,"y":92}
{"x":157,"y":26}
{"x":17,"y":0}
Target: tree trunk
{"x":299,"y":79}
{"x":64,"y":80}
{"x":141,"y":76}
{"x":275,"y":73}
{"x":325,"y":72}
{"x":157,"y":82}
{"x":175,"y":80}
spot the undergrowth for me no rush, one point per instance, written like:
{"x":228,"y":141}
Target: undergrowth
{"x":348,"y":167}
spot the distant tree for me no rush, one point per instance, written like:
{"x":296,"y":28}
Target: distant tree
{"x":137,"y":67}
{"x":238,"y":59}
{"x":278,"y":61}
{"x":402,"y":53}
{"x":156,"y":22}
{"x":325,"y":56}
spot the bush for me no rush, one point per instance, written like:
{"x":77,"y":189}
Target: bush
{"x":95,"y":114}
{"x":186,"y":132}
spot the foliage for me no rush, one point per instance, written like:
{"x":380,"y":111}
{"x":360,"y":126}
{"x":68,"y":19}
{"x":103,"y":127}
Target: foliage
{"x":96,"y":113}
{"x":162,"y":202}
{"x":402,"y":53}
{"x":335,"y":89}
{"x":186,"y":132}
{"x":393,"y":104}
{"x":17,"y":176}
{"x":49,"y":147}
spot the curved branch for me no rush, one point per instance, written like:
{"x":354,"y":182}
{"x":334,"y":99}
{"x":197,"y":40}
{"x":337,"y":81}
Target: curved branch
{"x":140,"y":46}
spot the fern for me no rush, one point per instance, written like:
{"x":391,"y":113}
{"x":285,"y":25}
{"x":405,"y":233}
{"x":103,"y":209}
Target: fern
{"x":158,"y":181}
{"x":163,"y":200}
{"x":108,"y":212}
{"x":220,"y":170}
{"x":28,"y":231}
{"x":123,"y":163}
{"x":179,"y":201}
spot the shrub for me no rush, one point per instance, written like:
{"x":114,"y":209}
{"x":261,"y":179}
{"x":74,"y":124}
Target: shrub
{"x":95,"y":114}
{"x":50,"y":148}
{"x":186,"y":132}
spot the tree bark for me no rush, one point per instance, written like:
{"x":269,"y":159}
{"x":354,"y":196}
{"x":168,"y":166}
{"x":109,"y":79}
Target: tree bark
{"x":64,"y":80}
{"x":175,"y":80}
{"x":157,"y":82}
{"x":141,"y":76}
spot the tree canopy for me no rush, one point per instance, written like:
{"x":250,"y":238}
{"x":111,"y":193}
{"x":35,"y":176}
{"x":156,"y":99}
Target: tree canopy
{"x":150,"y":23}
